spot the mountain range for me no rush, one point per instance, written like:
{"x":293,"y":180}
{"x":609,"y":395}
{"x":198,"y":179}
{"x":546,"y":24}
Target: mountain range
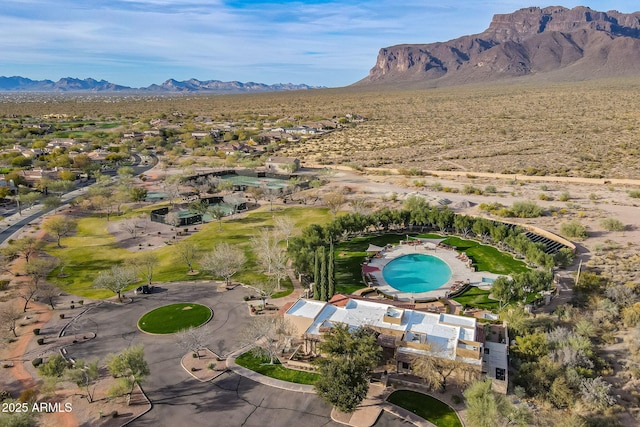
{"x":550,"y":44}
{"x":68,"y":84}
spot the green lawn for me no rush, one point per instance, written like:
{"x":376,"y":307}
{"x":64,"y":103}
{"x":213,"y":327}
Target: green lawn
{"x":277,"y":371}
{"x":485,"y":258}
{"x":172,"y":318}
{"x":427,"y":407}
{"x":93,"y":249}
{"x":476,"y":297}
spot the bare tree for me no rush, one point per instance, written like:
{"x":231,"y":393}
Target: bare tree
{"x":435,"y":370}
{"x":270,"y":335}
{"x":173,"y":219}
{"x":116,"y":279}
{"x":193,"y":339}
{"x":360,"y":206}
{"x":334,"y":201}
{"x":130,"y":226}
{"x":224,"y":260}
{"x":187,"y":252}
{"x":271,"y":254}
{"x":9,"y":316}
{"x":60,"y":226}
{"x":27,"y":292}
{"x":266,"y":289}
{"x":39,"y":268}
{"x":145,"y":264}
{"x":284,"y":228}
{"x":48,"y":293}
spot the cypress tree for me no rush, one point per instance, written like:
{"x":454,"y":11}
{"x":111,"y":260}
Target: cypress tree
{"x":316,"y":274}
{"x":323,"y":275}
{"x":330,"y":273}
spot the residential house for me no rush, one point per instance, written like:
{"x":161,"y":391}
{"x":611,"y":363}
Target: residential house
{"x":406,"y":333}
{"x":282,"y":164}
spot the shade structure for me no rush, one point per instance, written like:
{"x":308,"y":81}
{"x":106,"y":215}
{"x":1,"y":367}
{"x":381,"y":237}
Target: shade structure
{"x":374,"y":248}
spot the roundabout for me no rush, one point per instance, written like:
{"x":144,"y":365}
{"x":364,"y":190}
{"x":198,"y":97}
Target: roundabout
{"x":169,"y":319}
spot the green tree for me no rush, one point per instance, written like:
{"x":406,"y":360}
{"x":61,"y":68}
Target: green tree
{"x":60,"y":226}
{"x":54,"y":367}
{"x":85,"y":376}
{"x":346,"y":365}
{"x":331,"y":280}
{"x":531,"y":347}
{"x":217,"y":213}
{"x":130,"y":366}
{"x":316,"y":274}
{"x":485,"y":408}
{"x":323,"y":275}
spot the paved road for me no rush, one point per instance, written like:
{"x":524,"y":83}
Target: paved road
{"x":177,"y":398}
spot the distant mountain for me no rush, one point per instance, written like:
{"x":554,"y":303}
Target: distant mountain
{"x":553,"y":43}
{"x":22,"y":84}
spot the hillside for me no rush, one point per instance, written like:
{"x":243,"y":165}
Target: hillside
{"x":552,"y":44}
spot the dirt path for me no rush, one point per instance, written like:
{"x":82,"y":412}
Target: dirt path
{"x":16,"y":353}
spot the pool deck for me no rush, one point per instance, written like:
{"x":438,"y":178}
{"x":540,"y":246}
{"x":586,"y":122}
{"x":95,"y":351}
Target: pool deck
{"x":461,"y":271}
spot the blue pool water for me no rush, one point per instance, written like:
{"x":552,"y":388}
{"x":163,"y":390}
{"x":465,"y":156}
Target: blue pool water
{"x":416,"y":273}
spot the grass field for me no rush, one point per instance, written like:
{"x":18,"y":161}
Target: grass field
{"x":172,"y":318}
{"x":427,"y":407}
{"x":277,"y":371}
{"x":94,"y":249}
{"x":485,"y":258}
{"x":476,"y":297}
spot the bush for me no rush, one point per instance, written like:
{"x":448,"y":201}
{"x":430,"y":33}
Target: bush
{"x":62,"y":315}
{"x":211,"y":366}
{"x":195,"y":355}
{"x":81,"y":302}
{"x":635,"y":194}
{"x":40,"y":341}
{"x":4,"y":285}
{"x":36,"y":331}
{"x":194,"y":369}
{"x":574,"y":229}
{"x":36,"y":362}
{"x":456,"y":399}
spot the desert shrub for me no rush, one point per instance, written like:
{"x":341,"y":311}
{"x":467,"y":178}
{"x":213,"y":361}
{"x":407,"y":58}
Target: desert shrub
{"x":564,"y":197}
{"x":612,"y":224}
{"x":36,"y":362}
{"x":4,"y":285}
{"x":574,"y":229}
{"x":54,"y":367}
{"x":526,"y":209}
{"x":634,"y":193}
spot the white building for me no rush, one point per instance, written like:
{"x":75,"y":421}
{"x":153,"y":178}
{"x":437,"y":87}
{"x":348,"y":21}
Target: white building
{"x":405,"y":333}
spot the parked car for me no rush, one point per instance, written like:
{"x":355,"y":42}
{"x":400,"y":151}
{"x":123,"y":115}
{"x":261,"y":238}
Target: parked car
{"x":144,"y":289}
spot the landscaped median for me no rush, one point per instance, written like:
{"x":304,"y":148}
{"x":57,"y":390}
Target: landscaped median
{"x":276,"y":371}
{"x":431,"y":409}
{"x":172,"y":318}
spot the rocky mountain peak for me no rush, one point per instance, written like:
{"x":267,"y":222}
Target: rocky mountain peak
{"x":576,"y":43}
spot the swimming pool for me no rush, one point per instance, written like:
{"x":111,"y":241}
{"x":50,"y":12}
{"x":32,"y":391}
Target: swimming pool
{"x":416,"y":273}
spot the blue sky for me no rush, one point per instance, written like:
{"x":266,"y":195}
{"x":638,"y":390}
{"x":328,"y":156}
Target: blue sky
{"x":318,"y":42}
